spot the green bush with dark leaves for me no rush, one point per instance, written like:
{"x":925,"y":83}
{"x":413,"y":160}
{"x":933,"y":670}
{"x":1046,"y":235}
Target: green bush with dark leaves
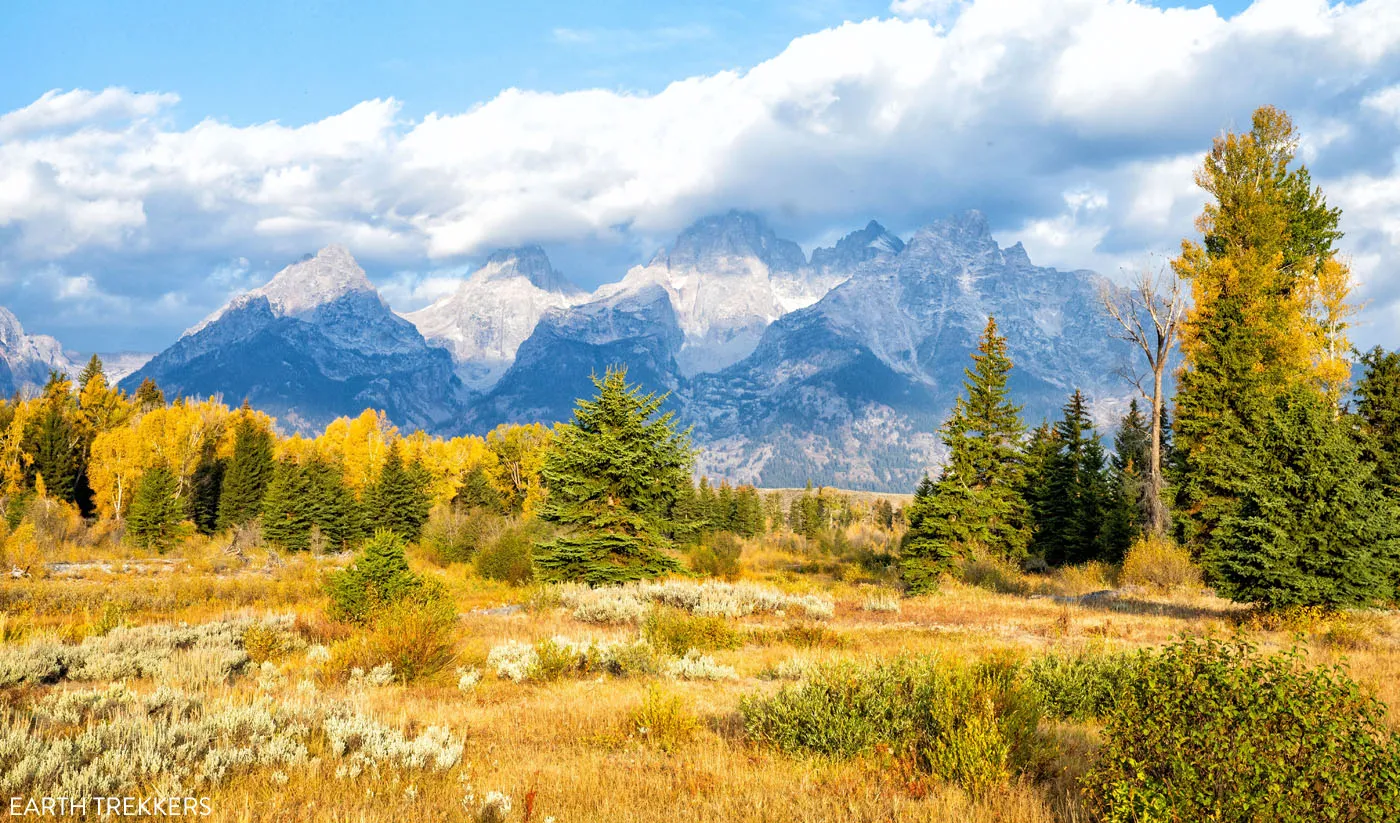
{"x":1082,"y":687}
{"x":1214,"y":730}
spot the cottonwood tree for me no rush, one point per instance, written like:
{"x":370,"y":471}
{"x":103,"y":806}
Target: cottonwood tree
{"x":1149,"y":312}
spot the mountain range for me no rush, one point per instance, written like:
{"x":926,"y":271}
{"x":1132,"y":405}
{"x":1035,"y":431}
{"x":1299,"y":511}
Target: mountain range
{"x":836,"y":367}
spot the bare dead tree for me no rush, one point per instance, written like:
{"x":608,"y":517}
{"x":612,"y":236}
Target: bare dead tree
{"x":1150,"y":311}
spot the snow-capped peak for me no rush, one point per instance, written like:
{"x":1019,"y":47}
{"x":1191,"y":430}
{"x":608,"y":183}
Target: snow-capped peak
{"x":27,"y":359}
{"x":313,"y":281}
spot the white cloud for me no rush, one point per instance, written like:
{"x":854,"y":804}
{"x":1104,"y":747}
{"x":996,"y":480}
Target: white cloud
{"x":1005,"y":105}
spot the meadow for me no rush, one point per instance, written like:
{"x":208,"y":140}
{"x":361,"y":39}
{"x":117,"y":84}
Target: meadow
{"x":216,"y":670}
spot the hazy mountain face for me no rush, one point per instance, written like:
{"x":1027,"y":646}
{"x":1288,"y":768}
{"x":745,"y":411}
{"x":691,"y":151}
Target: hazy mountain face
{"x":26,"y":360}
{"x":493,"y":311}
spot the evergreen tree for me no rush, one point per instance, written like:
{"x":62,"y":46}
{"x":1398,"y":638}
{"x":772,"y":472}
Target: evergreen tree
{"x":725,"y":510}
{"x":977,"y":507}
{"x":248,"y":473}
{"x":1127,"y":512}
{"x":286,"y":513}
{"x":398,"y":501}
{"x":1074,"y":499}
{"x":613,"y":475}
{"x":748,"y":512}
{"x":91,"y":370}
{"x":478,"y":492}
{"x":1268,"y":314}
{"x":332,"y":506}
{"x":57,"y":442}
{"x":1311,"y":527}
{"x":1378,"y":410}
{"x":149,"y":396}
{"x":153,"y":520}
{"x":379,"y":577}
{"x":206,"y":484}
{"x":923,"y":557}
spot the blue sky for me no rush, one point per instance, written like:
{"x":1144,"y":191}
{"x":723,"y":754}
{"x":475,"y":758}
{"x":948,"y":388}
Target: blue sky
{"x":296,"y":62}
{"x":157,"y":157}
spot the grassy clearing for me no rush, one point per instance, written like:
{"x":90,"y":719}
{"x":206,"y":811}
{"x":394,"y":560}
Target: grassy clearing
{"x":637,"y":704}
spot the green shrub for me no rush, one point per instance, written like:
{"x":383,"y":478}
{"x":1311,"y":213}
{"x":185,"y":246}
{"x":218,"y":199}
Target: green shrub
{"x":1081,"y":687}
{"x":379,"y":577}
{"x":718,"y":558}
{"x":677,"y":632}
{"x":1212,"y":730}
{"x":509,"y":558}
{"x":972,"y":725}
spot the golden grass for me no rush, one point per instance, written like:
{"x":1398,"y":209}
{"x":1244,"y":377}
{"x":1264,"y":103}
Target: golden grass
{"x":571,"y":750}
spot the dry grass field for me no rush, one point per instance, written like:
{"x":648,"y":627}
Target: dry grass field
{"x":198,"y":674}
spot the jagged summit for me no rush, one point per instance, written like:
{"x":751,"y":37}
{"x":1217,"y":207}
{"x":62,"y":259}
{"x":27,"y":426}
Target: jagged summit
{"x":529,"y":262}
{"x":493,"y":310}
{"x":313,"y":281}
{"x":707,"y":242}
{"x":27,"y":359}
{"x":857,"y":247}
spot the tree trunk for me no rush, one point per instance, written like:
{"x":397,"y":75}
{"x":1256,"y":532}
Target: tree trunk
{"x":1156,"y":509}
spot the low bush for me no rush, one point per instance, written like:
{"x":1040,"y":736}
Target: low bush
{"x":975,"y":726}
{"x":264,"y":642}
{"x":1158,"y":563}
{"x":508,"y":558}
{"x":994,"y":575}
{"x":801,"y":635}
{"x":418,"y":638}
{"x":677,"y":632}
{"x":1213,"y":730}
{"x":881,"y":602}
{"x":696,"y":666}
{"x":558,"y":657}
{"x":379,"y":577}
{"x":1082,"y":687}
{"x":718,"y":557}
{"x":663,"y":720}
{"x":455,"y":535}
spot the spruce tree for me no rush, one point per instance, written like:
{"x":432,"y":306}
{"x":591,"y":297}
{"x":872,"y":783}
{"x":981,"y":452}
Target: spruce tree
{"x":149,"y":396}
{"x":977,"y":507}
{"x":378,"y":577}
{"x":91,"y":370}
{"x":398,"y":501}
{"x":478,"y":492}
{"x":205,"y":486}
{"x":1075,"y":494}
{"x":613,"y":475}
{"x":1310,"y":528}
{"x":154,"y":517}
{"x":57,"y":441}
{"x":923,"y":558}
{"x":286,"y":513}
{"x":1268,"y":241}
{"x":248,"y":472}
{"x":332,"y":506}
{"x":1378,"y":411}
{"x":1127,"y":507}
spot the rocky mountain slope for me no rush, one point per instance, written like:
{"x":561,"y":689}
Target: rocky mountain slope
{"x":314,"y":343}
{"x":850,"y":391}
{"x":730,"y":276}
{"x":27,"y":359}
{"x":493,"y":311}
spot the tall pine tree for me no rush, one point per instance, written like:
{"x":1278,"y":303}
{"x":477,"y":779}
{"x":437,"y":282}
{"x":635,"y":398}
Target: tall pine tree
{"x":977,"y":507}
{"x":1378,"y":410}
{"x":1074,"y":498}
{"x":1128,"y":507}
{"x":286,"y":513}
{"x":613,"y":475}
{"x":398,"y":501}
{"x":153,"y":521}
{"x":248,"y":472}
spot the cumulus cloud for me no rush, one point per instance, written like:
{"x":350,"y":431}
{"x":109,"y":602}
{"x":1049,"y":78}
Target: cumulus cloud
{"x":1074,"y":124}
